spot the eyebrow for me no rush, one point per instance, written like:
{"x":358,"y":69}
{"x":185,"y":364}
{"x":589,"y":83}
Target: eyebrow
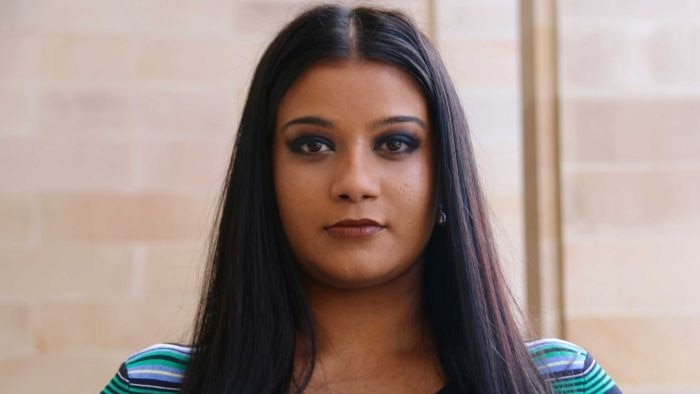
{"x":318,"y":121}
{"x":399,"y":119}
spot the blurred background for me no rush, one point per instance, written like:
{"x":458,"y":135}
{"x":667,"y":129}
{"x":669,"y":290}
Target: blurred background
{"x":117,"y":119}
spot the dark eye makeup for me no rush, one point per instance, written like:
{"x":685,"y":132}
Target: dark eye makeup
{"x":310,"y":145}
{"x":397,"y":144}
{"x":393,"y":144}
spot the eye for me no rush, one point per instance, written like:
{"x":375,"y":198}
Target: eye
{"x":397,"y":144}
{"x":310,"y":145}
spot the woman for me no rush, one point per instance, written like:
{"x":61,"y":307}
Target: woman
{"x":353,"y":251}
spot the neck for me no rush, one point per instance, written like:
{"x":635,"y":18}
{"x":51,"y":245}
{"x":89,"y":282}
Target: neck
{"x":378,"y":322}
{"x":375,"y":336}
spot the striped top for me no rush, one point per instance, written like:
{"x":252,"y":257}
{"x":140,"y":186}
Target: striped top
{"x":569,"y":368}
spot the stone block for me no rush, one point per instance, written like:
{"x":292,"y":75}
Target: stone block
{"x":632,"y":203}
{"x":21,"y":51}
{"x":629,"y":130}
{"x":173,"y":271}
{"x":17,"y":105}
{"x":472,"y":19}
{"x":19,"y":220}
{"x":85,"y":110}
{"x":640,"y":276}
{"x":475,"y":63}
{"x":183,"y":112}
{"x":186,"y":167}
{"x":601,"y":57}
{"x":52,"y":164}
{"x":17,"y":329}
{"x":212,"y":61}
{"x":66,"y":271}
{"x":117,"y":218}
{"x":673,"y":55}
{"x":117,"y":325}
{"x":89,"y":57}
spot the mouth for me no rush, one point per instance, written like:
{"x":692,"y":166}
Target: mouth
{"x":353,"y":229}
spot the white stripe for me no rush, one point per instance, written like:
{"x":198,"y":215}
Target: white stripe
{"x":557,"y":363}
{"x":122,"y":378}
{"x":576,"y":375}
{"x":562,"y":342}
{"x":154,"y":371}
{"x":161,"y":346}
{"x":155,"y":387}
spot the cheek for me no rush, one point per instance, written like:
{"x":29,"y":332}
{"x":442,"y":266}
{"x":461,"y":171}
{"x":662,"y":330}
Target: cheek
{"x":412,"y":194}
{"x":297,"y":193}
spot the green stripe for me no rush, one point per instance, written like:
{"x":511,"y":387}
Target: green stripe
{"x":607,"y":387}
{"x":565,"y":381}
{"x":117,"y":386}
{"x":118,"y":382}
{"x":594,"y":376}
{"x":108,"y":390}
{"x":158,"y":362}
{"x":601,"y":380}
{"x":555,"y":354}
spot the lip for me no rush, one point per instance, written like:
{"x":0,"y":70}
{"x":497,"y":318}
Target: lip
{"x":354,"y":228}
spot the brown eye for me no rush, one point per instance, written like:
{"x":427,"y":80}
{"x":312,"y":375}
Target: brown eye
{"x":398,"y":144}
{"x":394,"y":146}
{"x":310,"y":146}
{"x":313,"y":146}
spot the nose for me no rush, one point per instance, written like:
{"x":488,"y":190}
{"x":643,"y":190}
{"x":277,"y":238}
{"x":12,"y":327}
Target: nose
{"x":355,"y":177}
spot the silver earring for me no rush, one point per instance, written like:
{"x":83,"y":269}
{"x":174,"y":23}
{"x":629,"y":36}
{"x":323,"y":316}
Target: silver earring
{"x":442,"y":216}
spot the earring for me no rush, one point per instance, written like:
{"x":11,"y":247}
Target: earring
{"x":442,"y":216}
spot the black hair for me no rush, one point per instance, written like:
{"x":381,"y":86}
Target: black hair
{"x":253,"y":305}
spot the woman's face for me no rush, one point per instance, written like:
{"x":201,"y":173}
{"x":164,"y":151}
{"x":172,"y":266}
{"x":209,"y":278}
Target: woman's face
{"x":353,"y":173}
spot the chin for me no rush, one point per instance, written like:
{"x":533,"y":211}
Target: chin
{"x":353,"y":277}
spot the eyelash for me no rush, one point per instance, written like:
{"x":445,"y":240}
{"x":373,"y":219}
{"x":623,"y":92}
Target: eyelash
{"x":410,"y":144}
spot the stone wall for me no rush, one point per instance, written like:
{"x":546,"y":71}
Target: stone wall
{"x":630,"y":127}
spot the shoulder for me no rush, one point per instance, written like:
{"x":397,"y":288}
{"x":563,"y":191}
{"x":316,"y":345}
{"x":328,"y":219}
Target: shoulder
{"x":569,"y":367}
{"x":157,"y":368}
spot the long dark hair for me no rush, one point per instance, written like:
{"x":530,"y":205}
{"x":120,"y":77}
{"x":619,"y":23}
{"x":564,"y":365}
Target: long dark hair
{"x":253,"y":305}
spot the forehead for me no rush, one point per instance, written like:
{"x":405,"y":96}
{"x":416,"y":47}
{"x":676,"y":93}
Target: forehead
{"x":352,"y":89}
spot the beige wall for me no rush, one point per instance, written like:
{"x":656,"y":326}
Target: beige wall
{"x":630,"y":124}
{"x":116,"y":121}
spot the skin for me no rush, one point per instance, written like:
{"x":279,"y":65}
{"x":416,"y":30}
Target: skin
{"x":352,"y":140}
